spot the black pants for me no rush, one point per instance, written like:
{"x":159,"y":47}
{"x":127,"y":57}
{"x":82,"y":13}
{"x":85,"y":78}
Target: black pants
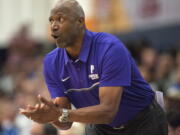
{"x":151,"y":121}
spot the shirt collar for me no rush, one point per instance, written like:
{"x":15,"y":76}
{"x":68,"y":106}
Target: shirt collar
{"x":66,"y":57}
{"x":85,"y":49}
{"x":86,"y":46}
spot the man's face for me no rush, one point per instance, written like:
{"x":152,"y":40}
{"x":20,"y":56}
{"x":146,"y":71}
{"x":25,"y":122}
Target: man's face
{"x":64,"y":27}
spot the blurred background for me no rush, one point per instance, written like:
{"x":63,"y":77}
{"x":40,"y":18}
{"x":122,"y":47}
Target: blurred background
{"x":149,"y":28}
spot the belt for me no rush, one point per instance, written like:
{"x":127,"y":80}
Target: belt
{"x":138,"y":117}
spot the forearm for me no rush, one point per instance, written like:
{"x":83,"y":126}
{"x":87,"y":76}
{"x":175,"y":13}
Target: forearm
{"x":102,"y":113}
{"x":99,"y":114}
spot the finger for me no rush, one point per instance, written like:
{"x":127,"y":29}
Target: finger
{"x":44,"y":100}
{"x":42,"y":106}
{"x":37,"y":106}
{"x":28,"y":114}
{"x":29,"y":107}
{"x":21,"y":110}
{"x":56,"y":104}
{"x":24,"y":112}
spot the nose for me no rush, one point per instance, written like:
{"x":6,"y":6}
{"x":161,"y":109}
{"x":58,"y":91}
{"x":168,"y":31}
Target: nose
{"x":55,"y":26}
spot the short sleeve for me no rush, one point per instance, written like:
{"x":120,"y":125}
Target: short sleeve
{"x":55,"y":87}
{"x":116,"y":66}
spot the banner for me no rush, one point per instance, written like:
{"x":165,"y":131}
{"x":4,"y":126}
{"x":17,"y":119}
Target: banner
{"x":125,"y":15}
{"x":152,"y":13}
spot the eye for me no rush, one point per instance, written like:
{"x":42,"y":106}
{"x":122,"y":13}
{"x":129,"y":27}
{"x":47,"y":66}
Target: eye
{"x":51,"y":20}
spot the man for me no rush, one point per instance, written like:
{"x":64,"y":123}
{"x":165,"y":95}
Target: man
{"x":94,"y":72}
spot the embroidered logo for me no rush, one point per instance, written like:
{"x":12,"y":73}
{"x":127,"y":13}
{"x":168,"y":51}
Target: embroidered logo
{"x":92,"y":68}
{"x":93,"y":76}
{"x":65,"y":79}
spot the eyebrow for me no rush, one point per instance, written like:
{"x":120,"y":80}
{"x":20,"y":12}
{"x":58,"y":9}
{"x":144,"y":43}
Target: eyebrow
{"x":58,"y":13}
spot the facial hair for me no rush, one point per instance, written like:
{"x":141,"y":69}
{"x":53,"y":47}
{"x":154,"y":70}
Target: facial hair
{"x":67,"y":39}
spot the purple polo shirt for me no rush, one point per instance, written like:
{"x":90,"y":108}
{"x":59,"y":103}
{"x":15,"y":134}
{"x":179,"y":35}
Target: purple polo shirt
{"x":103,"y":61}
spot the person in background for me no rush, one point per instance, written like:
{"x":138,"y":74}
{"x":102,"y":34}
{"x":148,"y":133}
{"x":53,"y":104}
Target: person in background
{"x":173,"y":92}
{"x":39,"y":129}
{"x":174,"y":122}
{"x":164,"y":71}
{"x":9,"y":113}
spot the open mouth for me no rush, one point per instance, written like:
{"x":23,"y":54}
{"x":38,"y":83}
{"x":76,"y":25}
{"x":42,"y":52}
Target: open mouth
{"x":55,"y":37}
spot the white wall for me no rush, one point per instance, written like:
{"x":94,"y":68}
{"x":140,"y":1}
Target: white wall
{"x":13,"y":13}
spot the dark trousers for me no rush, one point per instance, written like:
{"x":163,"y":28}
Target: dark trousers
{"x":150,"y":121}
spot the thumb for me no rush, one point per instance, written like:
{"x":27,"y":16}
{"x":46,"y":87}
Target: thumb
{"x":44,"y":100}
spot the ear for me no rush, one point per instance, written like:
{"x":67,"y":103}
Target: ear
{"x":81,"y":21}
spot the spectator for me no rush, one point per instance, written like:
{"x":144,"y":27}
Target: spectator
{"x":174,"y":123}
{"x":173,"y":93}
{"x":164,"y":71}
{"x":47,"y":129}
{"x":8,"y":122}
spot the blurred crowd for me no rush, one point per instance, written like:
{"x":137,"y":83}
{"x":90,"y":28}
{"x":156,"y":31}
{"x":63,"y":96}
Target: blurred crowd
{"x":21,"y":80}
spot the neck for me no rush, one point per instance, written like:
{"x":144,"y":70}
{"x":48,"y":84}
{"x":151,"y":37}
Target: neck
{"x":74,"y":50}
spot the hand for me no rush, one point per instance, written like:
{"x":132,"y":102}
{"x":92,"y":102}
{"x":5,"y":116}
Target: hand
{"x":44,"y":112}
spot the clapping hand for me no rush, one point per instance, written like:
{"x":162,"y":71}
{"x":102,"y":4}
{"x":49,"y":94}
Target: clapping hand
{"x":43,"y":112}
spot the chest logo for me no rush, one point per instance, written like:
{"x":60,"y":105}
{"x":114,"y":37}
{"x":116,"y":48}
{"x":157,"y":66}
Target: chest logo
{"x":92,"y":68}
{"x":92,"y":75}
{"x":65,"y":79}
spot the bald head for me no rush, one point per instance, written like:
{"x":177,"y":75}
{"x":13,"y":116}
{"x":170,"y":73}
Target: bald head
{"x":67,"y":23}
{"x":70,"y":7}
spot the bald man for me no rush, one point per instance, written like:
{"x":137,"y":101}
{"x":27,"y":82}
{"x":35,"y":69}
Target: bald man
{"x":96,"y":73}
